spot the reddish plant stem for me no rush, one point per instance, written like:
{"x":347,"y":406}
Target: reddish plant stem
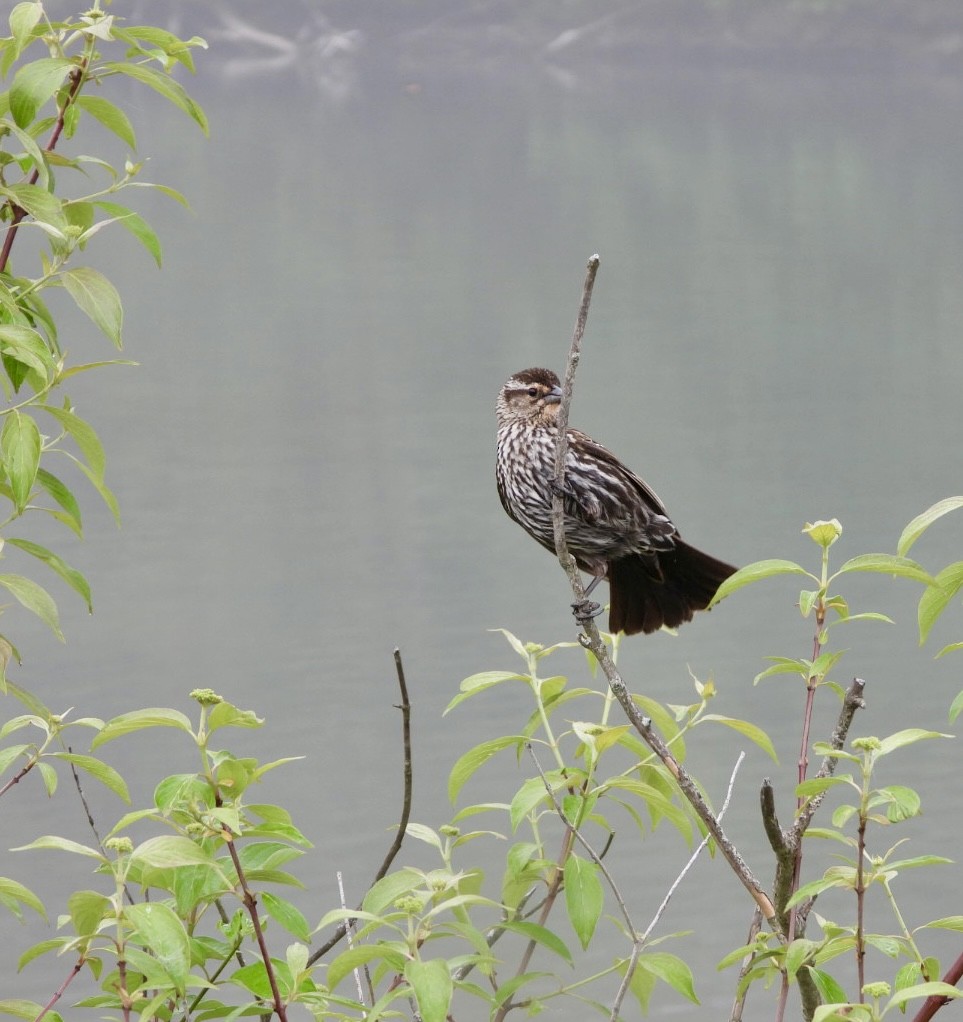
{"x":77,"y":78}
{"x":860,"y":902}
{"x":932,"y":1005}
{"x":59,"y":992}
{"x":250,"y":903}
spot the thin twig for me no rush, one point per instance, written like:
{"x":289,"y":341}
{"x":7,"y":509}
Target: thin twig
{"x":357,"y":972}
{"x":405,"y":708}
{"x":59,"y":992}
{"x":592,"y":640}
{"x":739,"y":1004}
{"x":250,"y":903}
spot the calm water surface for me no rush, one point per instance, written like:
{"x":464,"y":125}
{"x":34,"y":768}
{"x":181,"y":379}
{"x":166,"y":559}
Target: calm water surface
{"x":304,"y":456}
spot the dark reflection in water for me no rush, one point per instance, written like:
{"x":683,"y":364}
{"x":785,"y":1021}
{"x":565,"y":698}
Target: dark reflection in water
{"x":304,"y":457}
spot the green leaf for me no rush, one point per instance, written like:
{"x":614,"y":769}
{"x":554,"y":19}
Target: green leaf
{"x":169,"y":851}
{"x":83,"y":435}
{"x":479,"y":682}
{"x":23,"y":19}
{"x":359,"y":956}
{"x":946,"y":923}
{"x":956,"y":707}
{"x":111,"y":117}
{"x":40,"y":204}
{"x":26,"y":347}
{"x":97,"y":298}
{"x":51,"y":842}
{"x":755,"y":572}
{"x":922,"y":522}
{"x":20,"y":446}
{"x":63,"y":496}
{"x":751,"y":731}
{"x":71,"y":576}
{"x":475,"y":758}
{"x":12,"y":894}
{"x":542,"y":936}
{"x":672,"y":970}
{"x":906,"y":737}
{"x":383,"y":894}
{"x":432,"y":986}
{"x":829,"y":989}
{"x":584,"y":897}
{"x":99,"y":770}
{"x":938,"y":989}
{"x":159,"y":929}
{"x":137,"y":226}
{"x":35,"y":153}
{"x":286,"y":915}
{"x":36,"y":599}
{"x":34,"y":84}
{"x":935,"y":599}
{"x":165,"y":86}
{"x":137,"y":720}
{"x":886,"y":564}
{"x":88,"y":909}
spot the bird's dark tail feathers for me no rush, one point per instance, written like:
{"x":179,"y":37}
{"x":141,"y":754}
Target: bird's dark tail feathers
{"x":641,"y":601}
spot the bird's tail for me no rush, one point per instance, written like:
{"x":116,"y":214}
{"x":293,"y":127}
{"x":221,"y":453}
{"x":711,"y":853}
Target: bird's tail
{"x":663,"y":589}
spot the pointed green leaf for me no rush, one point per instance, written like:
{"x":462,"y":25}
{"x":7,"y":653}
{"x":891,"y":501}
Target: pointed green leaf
{"x":137,"y":226}
{"x":672,"y":970}
{"x":111,"y":117}
{"x":169,"y":851}
{"x":40,"y":204}
{"x":165,"y":86}
{"x":36,"y":599}
{"x":936,"y":598}
{"x":359,"y":956}
{"x":432,"y":986}
{"x":97,"y":298}
{"x":922,"y":522}
{"x":51,"y":842}
{"x":158,"y":928}
{"x":12,"y":894}
{"x":34,"y":84}
{"x":23,"y":19}
{"x":88,"y":909}
{"x":751,"y":731}
{"x":906,"y":737}
{"x":286,"y":915}
{"x":475,"y":758}
{"x":542,"y":936}
{"x":20,"y":447}
{"x":886,"y":564}
{"x":755,"y":573}
{"x":71,"y":576}
{"x":63,"y":496}
{"x":137,"y":720}
{"x":584,"y":897}
{"x":83,"y":435}
{"x":921,"y":990}
{"x":99,"y":770}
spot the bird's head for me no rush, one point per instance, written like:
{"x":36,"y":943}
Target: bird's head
{"x":531,"y":396}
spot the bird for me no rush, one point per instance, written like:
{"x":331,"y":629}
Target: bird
{"x":616,"y":528}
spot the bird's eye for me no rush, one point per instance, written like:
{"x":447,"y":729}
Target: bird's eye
{"x":533,"y":391}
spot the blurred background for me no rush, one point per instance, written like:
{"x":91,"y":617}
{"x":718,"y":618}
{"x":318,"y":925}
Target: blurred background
{"x":392,"y":214}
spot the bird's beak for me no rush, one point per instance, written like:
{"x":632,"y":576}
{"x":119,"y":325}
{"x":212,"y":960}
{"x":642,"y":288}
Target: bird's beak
{"x":554,"y":396}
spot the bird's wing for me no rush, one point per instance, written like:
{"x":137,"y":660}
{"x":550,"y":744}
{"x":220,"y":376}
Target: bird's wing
{"x":604,"y":488}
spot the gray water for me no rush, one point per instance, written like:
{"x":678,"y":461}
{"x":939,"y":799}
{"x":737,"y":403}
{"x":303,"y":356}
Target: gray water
{"x":303,"y":457}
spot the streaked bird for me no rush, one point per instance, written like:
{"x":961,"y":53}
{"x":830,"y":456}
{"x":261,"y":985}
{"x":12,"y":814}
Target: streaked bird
{"x":616,"y":527}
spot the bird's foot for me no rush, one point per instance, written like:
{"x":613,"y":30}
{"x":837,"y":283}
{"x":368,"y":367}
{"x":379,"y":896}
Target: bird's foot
{"x":586,"y":610}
